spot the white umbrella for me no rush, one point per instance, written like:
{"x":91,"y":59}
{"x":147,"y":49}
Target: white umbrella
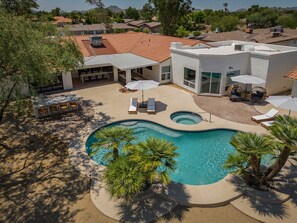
{"x":142,"y":85}
{"x":285,"y":102}
{"x":248,"y":79}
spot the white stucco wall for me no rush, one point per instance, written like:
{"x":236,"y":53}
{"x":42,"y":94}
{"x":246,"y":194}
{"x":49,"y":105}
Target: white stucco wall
{"x":67,"y":81}
{"x":179,"y":62}
{"x":164,"y":64}
{"x":279,"y":66}
{"x":153,"y":74}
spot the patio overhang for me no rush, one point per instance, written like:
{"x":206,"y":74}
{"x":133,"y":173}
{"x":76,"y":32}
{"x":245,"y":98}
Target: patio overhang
{"x":126,"y":61}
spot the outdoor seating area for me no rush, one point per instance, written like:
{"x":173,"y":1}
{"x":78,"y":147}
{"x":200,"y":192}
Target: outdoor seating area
{"x":255,"y":95}
{"x":45,"y":106}
{"x":94,"y":74}
{"x":150,"y":106}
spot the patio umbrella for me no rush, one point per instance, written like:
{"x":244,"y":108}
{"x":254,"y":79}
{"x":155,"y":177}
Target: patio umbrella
{"x":142,"y":85}
{"x":248,"y":79}
{"x":285,"y":102}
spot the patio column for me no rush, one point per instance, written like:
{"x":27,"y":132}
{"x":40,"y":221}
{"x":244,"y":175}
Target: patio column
{"x":294,"y":89}
{"x":115,"y":74}
{"x":128,"y":76}
{"x":67,"y":80}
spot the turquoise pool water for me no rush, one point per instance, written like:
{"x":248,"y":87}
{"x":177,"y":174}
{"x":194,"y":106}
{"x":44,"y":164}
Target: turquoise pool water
{"x":186,"y":118}
{"x":201,"y":154}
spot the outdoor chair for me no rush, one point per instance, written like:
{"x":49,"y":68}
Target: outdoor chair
{"x":64,"y":107}
{"x":265,"y":117}
{"x":133,"y":106}
{"x":267,"y":124}
{"x":42,"y":112}
{"x":54,"y":109}
{"x":151,"y":106}
{"x":74,"y":106}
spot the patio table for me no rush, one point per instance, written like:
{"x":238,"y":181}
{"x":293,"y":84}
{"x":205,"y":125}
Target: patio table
{"x":46,"y":102}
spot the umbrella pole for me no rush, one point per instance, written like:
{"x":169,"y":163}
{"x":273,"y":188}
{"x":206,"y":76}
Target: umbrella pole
{"x":289,"y":113}
{"x":142,"y":98}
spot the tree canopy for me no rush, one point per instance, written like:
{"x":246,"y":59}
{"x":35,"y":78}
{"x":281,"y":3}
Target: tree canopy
{"x":18,"y":7}
{"x":29,"y":55}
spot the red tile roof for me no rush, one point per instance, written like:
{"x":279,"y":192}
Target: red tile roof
{"x":154,"y":47}
{"x":61,"y":19}
{"x":293,"y":74}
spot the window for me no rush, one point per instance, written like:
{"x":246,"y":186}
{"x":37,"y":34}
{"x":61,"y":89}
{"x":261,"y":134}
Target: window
{"x":149,"y":67}
{"x":139,"y":70}
{"x":166,"y":74}
{"x":189,"y":77}
{"x":210,"y":83}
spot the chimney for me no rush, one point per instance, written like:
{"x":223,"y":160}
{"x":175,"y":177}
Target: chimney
{"x":176,"y":45}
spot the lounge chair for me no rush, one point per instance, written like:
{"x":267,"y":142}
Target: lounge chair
{"x":151,"y":107}
{"x":265,"y":117}
{"x":133,"y":106}
{"x":267,"y":124}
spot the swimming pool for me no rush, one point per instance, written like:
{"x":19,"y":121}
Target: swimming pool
{"x":201,"y":154}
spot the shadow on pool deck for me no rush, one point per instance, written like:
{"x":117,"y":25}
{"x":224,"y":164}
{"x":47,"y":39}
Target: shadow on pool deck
{"x":224,"y":108}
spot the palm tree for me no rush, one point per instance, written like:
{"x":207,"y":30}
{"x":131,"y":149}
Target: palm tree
{"x":155,"y":157}
{"x":250,"y":148}
{"x":112,"y":139}
{"x":225,"y":5}
{"x":284,"y":129}
{"x":123,"y":179}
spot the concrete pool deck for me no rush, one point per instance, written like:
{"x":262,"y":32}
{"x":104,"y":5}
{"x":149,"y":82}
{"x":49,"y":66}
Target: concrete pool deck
{"x":112,"y":105}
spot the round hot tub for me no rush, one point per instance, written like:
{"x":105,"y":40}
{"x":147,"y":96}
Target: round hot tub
{"x":186,"y":118}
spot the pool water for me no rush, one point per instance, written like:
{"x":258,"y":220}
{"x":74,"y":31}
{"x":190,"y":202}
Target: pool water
{"x":186,"y":118}
{"x":201,"y":154}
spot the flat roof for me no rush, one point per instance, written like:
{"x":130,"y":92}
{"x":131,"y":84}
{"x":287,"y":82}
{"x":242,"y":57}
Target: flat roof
{"x":125,"y":61}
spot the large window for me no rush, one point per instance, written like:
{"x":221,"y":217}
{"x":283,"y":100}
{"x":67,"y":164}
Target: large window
{"x":166,"y":74}
{"x":210,"y":83}
{"x":189,"y":77}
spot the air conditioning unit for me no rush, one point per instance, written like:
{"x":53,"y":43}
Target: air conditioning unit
{"x":275,"y":34}
{"x":238,"y":47}
{"x":96,"y":41}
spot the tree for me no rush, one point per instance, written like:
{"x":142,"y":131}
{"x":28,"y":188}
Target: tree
{"x":18,"y":7}
{"x":226,"y":23}
{"x":182,"y":32}
{"x":29,"y":56}
{"x":225,"y":5}
{"x":288,"y":21}
{"x":132,"y":13}
{"x":97,"y":3}
{"x":170,"y":12}
{"x":250,"y":149}
{"x":147,"y":12}
{"x":123,"y":179}
{"x":142,"y":165}
{"x":112,"y":139}
{"x":56,"y":12}
{"x":155,"y":157}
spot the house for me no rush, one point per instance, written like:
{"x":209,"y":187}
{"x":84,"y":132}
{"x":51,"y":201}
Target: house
{"x":128,"y":20}
{"x":80,"y":29}
{"x":122,"y":26}
{"x":207,"y":69}
{"x":293,"y":76}
{"x":136,"y":23}
{"x":153,"y":27}
{"x":61,"y":21}
{"x":274,"y":35}
{"x":126,"y":57}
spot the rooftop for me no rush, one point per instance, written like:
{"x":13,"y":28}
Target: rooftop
{"x":152,"y":24}
{"x":121,"y":26}
{"x":80,"y":27}
{"x":61,"y":19}
{"x":150,"y":46}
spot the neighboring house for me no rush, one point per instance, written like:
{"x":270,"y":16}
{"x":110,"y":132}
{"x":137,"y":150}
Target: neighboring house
{"x":128,"y":56}
{"x":293,"y":76}
{"x":207,"y":70}
{"x":61,"y":21}
{"x":128,"y":20}
{"x":122,"y":26}
{"x":80,"y":29}
{"x":153,"y":27}
{"x":274,"y":35}
{"x":136,"y":23}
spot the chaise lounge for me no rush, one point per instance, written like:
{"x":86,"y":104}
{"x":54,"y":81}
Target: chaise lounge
{"x":133,"y":106}
{"x":265,"y":117}
{"x":151,"y":107}
{"x":267,"y":124}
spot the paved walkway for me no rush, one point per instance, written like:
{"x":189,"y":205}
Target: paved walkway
{"x":113,"y":106}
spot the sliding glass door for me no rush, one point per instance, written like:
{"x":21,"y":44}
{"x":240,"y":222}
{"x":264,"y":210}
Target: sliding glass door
{"x":210,"y":83}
